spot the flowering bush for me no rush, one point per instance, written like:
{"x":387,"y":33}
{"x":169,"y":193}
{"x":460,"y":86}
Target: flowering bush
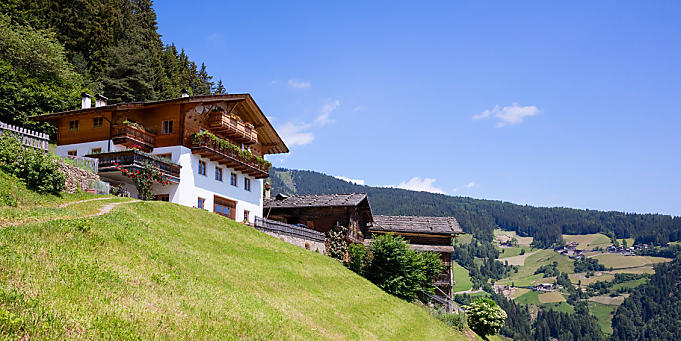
{"x":485,"y":317}
{"x":144,"y":179}
{"x":37,"y":169}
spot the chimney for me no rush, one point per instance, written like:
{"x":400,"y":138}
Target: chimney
{"x":100,"y":100}
{"x":85,"y":100}
{"x":184,"y":93}
{"x":268,"y":187}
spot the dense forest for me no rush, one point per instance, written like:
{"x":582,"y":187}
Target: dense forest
{"x":51,"y":51}
{"x":653,"y":311}
{"x":480,"y":217}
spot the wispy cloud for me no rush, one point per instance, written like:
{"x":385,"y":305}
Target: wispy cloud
{"x":298,"y":134}
{"x":467,"y":186}
{"x":358,"y":108}
{"x":297,"y":84}
{"x":324,"y":118}
{"x":353,"y":181}
{"x":423,"y":185}
{"x":508,"y":115}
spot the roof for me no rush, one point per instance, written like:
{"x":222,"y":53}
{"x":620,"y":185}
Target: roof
{"x":261,"y":122}
{"x":416,"y":224}
{"x":325,"y":200}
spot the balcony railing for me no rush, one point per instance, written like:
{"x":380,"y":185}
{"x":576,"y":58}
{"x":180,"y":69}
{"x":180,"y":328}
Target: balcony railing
{"x":443,"y":279}
{"x":233,"y":127}
{"x":221,"y":151}
{"x":136,"y":159}
{"x":129,"y":134}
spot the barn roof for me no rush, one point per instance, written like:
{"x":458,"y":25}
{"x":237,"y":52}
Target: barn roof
{"x":325,"y":200}
{"x":416,"y":224}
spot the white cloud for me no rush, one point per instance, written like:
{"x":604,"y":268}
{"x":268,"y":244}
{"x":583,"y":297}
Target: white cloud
{"x":323,"y":119}
{"x":465,"y":187}
{"x":508,"y":115}
{"x":299,"y":134}
{"x":295,"y":134}
{"x":358,"y":108}
{"x":418,"y":184}
{"x":296,"y":84}
{"x":274,"y":82}
{"x":471,"y":184}
{"x":356,"y":182}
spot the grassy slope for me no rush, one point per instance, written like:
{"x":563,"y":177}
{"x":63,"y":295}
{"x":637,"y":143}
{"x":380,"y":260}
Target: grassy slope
{"x":463,"y":280}
{"x":158,"y":270}
{"x":603,"y":313}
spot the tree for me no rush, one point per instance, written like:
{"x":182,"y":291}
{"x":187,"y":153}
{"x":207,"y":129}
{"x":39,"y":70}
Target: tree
{"x":336,"y":245}
{"x":35,"y":77}
{"x":401,"y":271}
{"x":485,"y":317}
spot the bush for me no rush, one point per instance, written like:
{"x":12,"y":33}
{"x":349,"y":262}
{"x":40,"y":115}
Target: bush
{"x":36,"y":168}
{"x":358,"y":258}
{"x":401,"y":271}
{"x":336,"y":245}
{"x":485,"y":317}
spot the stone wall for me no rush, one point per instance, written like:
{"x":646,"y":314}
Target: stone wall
{"x":77,"y":179}
{"x":307,"y":244}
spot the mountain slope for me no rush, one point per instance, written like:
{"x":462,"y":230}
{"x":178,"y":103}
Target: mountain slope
{"x":153,"y":270}
{"x":481,"y":216}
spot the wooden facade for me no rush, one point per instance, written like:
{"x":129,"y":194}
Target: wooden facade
{"x":235,"y":118}
{"x":323,"y":212}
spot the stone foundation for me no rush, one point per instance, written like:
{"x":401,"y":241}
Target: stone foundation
{"x":307,"y":244}
{"x":77,"y":179}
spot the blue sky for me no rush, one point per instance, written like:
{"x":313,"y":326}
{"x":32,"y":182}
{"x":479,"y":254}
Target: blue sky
{"x":570,"y":104}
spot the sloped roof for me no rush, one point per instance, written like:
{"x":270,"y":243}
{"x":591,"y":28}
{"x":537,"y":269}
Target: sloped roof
{"x":326,"y":200}
{"x":416,"y":224}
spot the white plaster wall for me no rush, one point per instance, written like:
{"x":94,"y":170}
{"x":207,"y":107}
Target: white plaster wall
{"x":87,"y":147}
{"x":192,"y":185}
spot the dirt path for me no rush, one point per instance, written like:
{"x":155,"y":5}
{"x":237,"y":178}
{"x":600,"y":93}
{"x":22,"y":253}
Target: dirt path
{"x":102,"y":210}
{"x":469,"y":291}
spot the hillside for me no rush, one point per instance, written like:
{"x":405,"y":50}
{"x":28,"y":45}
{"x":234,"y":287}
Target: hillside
{"x":150,"y":270}
{"x":481,"y":217}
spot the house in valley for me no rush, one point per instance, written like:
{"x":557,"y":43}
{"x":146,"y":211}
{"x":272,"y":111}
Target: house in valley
{"x":425,"y":234}
{"x":323,"y":212}
{"x":210,"y":149}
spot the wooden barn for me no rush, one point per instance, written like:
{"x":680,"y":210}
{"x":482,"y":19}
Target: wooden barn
{"x":323,"y":212}
{"x":425,"y":234}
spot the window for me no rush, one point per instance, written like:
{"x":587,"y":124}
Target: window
{"x":247,"y":184}
{"x":96,"y":150}
{"x":202,"y":167}
{"x":73,"y":125}
{"x":162,"y":197}
{"x":97,"y":122}
{"x":201,"y":202}
{"x":72,"y":153}
{"x":167,"y":156}
{"x":224,"y":207}
{"x":218,"y":173}
{"x":232,"y":179}
{"x":167,"y":127}
{"x":246,"y":214}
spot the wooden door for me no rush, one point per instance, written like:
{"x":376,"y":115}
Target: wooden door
{"x":224,"y":207}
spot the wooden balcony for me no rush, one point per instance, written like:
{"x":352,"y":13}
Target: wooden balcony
{"x":232,"y":127}
{"x":129,"y":135}
{"x":242,"y":161}
{"x":135,"y":160}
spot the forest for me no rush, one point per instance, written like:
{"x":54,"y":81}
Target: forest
{"x":480,"y":217}
{"x":51,"y":51}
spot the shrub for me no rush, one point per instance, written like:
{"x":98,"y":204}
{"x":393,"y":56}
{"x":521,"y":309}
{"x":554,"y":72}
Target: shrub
{"x":485,"y":317}
{"x":35,"y":168}
{"x":144,"y":179}
{"x":336,"y":245}
{"x":401,"y":271}
{"x":358,"y":258}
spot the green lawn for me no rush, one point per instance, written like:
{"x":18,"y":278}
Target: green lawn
{"x":603,"y":313}
{"x":505,"y":252}
{"x":154,"y":270}
{"x":560,"y":306}
{"x":530,"y":297}
{"x":588,"y":241}
{"x":463,"y":280}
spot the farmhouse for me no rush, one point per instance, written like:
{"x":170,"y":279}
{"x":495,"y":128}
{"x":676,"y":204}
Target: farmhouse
{"x":323,"y":212}
{"x":425,"y":234}
{"x":209,"y":149}
{"x":544,"y":287}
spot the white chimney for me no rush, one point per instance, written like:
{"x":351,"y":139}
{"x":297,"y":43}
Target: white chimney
{"x":85,"y":100}
{"x":100,"y":100}
{"x":184,"y":93}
